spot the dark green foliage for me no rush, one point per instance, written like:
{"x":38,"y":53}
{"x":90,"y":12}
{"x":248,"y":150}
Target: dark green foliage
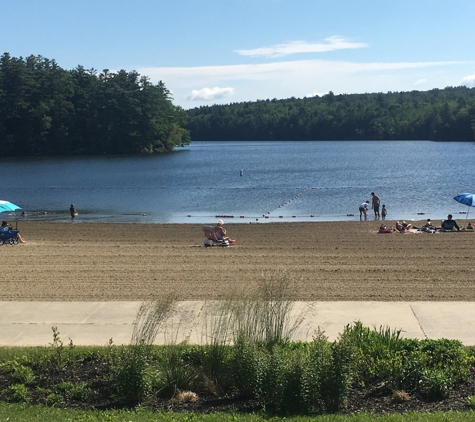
{"x":431,"y":367}
{"x":281,"y":384}
{"x":442,"y":115}
{"x":290,"y":378}
{"x":214,"y":367}
{"x":46,"y":110}
{"x":17,"y":393}
{"x":131,"y":384}
{"x":247,"y":367}
{"x":175,"y":372}
{"x":327,"y":378}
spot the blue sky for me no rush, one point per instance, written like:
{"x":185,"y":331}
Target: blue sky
{"x":223,"y":51}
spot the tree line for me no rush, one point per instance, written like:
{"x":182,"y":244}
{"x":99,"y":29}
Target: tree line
{"x":47,"y":110}
{"x":439,"y":114}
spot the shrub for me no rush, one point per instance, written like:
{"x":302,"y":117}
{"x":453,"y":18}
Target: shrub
{"x":246,"y":367}
{"x":435,"y":384}
{"x":22,"y":374}
{"x":17,"y":393}
{"x":281,"y":383}
{"x":376,"y":352}
{"x":327,"y":378}
{"x":131,"y":384}
{"x":74,"y":391}
{"x":471,"y":402}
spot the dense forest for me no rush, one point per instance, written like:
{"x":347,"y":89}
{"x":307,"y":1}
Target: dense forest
{"x":46,"y":110}
{"x":439,"y":114}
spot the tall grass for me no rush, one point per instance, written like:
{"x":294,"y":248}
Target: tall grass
{"x":149,"y":319}
{"x":133,"y":382}
{"x":264,"y":315}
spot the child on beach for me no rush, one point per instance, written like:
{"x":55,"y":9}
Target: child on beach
{"x":384,"y":211}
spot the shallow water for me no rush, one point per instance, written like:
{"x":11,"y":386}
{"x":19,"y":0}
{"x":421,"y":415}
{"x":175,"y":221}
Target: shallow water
{"x":281,"y":181}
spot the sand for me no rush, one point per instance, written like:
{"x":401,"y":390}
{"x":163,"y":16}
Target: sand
{"x":325,"y":261}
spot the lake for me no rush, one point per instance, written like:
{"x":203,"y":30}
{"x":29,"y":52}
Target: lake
{"x":280,"y":181}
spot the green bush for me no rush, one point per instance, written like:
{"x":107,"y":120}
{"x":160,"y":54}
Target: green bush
{"x":54,"y":400}
{"x":17,"y":393}
{"x":23,"y":374}
{"x":471,"y":402}
{"x":74,"y":391}
{"x":247,"y":367}
{"x":435,"y":384}
{"x":375,"y":352}
{"x":131,"y":383}
{"x":431,"y":367}
{"x":214,"y":367}
{"x":281,"y":383}
{"x":336,"y":377}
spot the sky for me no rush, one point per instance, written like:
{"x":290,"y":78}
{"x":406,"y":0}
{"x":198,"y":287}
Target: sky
{"x":226,"y":51}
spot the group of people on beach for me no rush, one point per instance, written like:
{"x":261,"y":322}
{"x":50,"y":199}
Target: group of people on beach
{"x":375,"y":204}
{"x":448,"y":224}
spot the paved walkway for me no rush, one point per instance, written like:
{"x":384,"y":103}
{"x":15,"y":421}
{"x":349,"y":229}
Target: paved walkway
{"x":95,"y":323}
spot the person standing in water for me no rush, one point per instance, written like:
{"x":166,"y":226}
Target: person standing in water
{"x":375,"y":205}
{"x":384,"y":212}
{"x":363,"y":208}
{"x":72,"y":211}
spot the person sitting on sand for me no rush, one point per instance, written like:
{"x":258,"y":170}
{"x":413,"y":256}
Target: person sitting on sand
{"x":403,"y":227}
{"x":449,"y":225}
{"x":220,"y":231}
{"x":470,"y":226}
{"x":6,"y":227}
{"x":428,"y":226}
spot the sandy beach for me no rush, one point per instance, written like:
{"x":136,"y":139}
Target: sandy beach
{"x":329,"y":261}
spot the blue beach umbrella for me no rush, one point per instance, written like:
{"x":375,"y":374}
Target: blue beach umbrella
{"x":466,"y":199}
{"x":8,"y":206}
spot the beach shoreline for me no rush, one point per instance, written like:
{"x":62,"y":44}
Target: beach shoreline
{"x":324,"y":261}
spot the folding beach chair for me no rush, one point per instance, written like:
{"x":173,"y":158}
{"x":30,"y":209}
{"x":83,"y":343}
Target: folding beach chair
{"x":210,"y":235}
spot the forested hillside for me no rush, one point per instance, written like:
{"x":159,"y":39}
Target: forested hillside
{"x":439,"y":114}
{"x":46,"y":110}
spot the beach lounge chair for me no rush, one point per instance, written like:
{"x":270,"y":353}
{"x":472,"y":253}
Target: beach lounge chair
{"x":210,"y":235}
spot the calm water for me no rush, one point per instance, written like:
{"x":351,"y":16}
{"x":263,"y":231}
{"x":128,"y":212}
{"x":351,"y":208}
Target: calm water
{"x":286,"y":181}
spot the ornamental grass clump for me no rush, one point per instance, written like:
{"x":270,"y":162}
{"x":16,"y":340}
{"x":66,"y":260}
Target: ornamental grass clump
{"x":215,"y":350}
{"x":175,"y":372}
{"x":265,"y":314}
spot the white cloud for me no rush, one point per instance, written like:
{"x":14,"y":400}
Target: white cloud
{"x":294,"y":47}
{"x":316,"y":94}
{"x":420,"y":81}
{"x":468,"y":81}
{"x":299,"y":78}
{"x":208,"y":94}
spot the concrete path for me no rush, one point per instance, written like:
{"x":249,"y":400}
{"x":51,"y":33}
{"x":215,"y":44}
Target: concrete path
{"x":95,"y":323}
